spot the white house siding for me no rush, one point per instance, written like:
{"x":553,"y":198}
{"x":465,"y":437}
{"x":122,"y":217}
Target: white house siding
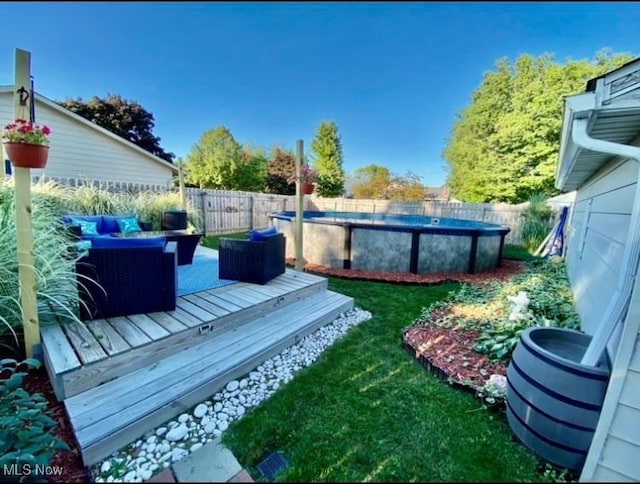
{"x":78,"y":150}
{"x":594,"y":261}
{"x":613,"y":455}
{"x":594,"y":255}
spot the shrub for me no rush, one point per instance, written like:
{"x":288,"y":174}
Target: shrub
{"x":54,"y":267}
{"x":537,"y":221}
{"x":25,"y":429}
{"x":487,"y":309}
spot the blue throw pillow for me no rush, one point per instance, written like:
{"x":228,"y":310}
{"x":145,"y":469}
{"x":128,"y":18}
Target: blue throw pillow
{"x":262,"y":235}
{"x":86,"y":228}
{"x":128,"y":225}
{"x":72,"y":219}
{"x":83,"y":247}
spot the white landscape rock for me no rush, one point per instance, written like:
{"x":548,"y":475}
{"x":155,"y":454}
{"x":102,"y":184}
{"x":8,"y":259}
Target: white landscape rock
{"x":200,"y":410}
{"x":175,"y":439}
{"x":177,"y":433}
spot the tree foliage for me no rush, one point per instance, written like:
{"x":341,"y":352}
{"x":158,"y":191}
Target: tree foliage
{"x":371,"y":182}
{"x":217,"y":161}
{"x":327,"y":156}
{"x":281,"y":169}
{"x":125,"y":118}
{"x":378,"y":183}
{"x":252,"y":175}
{"x":504,"y":145}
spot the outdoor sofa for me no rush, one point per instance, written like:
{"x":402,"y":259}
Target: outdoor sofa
{"x":119,"y":277}
{"x":257,"y":259}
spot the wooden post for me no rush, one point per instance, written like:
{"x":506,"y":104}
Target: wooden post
{"x":24,"y":234}
{"x":251,"y":208}
{"x":299,"y":208}
{"x":183,"y":199}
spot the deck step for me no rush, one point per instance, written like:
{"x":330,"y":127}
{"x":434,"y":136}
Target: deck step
{"x":107,"y":417}
{"x":79,"y":358}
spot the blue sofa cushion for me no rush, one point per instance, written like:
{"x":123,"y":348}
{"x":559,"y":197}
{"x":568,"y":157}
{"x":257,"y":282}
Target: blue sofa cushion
{"x":88,"y":229}
{"x":110,"y":223}
{"x":73,"y":220}
{"x":262,"y":235}
{"x":128,"y":225}
{"x":128,"y":242}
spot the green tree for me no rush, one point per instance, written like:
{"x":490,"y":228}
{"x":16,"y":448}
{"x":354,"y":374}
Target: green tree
{"x":327,"y":156}
{"x":216,"y":161}
{"x":371,"y":182}
{"x":252,"y":173}
{"x":406,"y":188}
{"x":125,"y":118}
{"x":504,"y":145}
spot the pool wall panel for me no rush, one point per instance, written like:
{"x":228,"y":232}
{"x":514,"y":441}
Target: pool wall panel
{"x":488,"y":254}
{"x":324,"y":244}
{"x":443,"y":253}
{"x":380,"y":250}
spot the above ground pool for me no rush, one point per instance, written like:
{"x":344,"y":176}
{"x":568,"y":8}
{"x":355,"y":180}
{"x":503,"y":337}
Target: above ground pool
{"x":394,"y":243}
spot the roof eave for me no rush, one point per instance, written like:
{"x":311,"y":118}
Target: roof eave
{"x":55,"y":106}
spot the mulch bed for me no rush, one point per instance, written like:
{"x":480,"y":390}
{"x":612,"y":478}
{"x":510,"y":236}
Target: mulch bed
{"x":73,"y":470}
{"x":507,"y":269}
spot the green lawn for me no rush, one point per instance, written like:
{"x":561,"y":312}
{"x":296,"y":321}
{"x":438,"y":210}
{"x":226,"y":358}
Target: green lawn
{"x":211,"y":241}
{"x":517,"y":252}
{"x":367,"y":411}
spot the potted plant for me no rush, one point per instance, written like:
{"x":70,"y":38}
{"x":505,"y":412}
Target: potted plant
{"x":308,"y":176}
{"x":26,"y":144}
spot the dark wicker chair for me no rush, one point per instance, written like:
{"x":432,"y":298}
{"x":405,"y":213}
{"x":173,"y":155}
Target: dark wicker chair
{"x":131,"y":280}
{"x":249,"y":261}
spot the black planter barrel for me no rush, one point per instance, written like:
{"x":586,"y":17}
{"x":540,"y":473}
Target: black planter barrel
{"x":174,"y":220}
{"x":553,"y":401}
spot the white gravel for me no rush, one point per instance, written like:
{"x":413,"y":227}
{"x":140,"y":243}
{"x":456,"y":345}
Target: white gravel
{"x":175,"y":439}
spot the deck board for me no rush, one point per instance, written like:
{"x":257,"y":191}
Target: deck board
{"x":185,"y":318}
{"x":218,"y":301}
{"x":198,"y":312}
{"x":130,"y":332}
{"x":148,"y":326}
{"x":61,"y":354}
{"x":234,"y":299}
{"x":110,"y":340}
{"x":200,"y":301}
{"x":87,"y":347}
{"x":168,"y":322}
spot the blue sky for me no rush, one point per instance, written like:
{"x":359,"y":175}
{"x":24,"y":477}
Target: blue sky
{"x":392,"y":76}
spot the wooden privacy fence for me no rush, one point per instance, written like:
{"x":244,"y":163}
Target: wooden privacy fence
{"x":225,"y":211}
{"x":228,"y":211}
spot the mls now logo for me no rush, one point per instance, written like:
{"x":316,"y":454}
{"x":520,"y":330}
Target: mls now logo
{"x":29,"y":472}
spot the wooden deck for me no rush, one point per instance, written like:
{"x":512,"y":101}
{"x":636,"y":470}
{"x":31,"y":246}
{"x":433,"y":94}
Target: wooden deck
{"x":80,"y":357}
{"x":120,"y":377}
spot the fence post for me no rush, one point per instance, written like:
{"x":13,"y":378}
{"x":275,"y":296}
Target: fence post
{"x":203,"y":208}
{"x":251,"y":211}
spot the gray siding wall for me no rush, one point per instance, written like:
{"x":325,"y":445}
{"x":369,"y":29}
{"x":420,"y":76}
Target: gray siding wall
{"x":596,"y":240}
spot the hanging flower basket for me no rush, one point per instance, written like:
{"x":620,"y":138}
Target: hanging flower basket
{"x":27,"y":155}
{"x":307,"y":188}
{"x":26,"y":143}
